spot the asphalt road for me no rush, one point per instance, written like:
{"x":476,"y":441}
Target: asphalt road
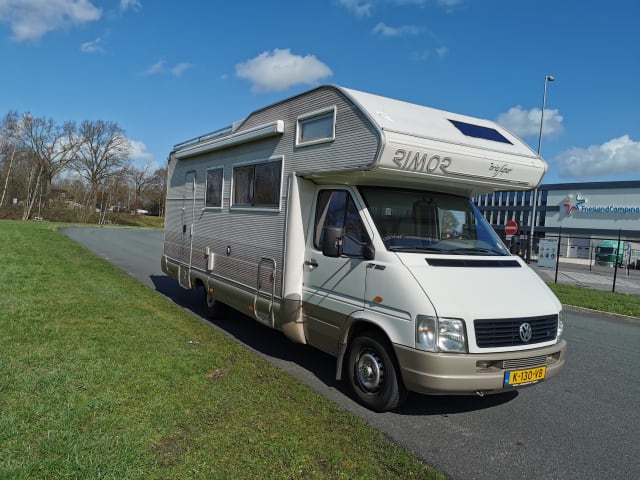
{"x":584,"y":424}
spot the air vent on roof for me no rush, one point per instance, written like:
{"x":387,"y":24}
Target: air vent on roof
{"x":477,"y":131}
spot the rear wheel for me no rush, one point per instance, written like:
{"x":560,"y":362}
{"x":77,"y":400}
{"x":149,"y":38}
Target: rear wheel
{"x":373,"y":373}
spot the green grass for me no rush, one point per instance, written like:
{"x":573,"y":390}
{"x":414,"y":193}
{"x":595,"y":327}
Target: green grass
{"x":102,"y":378}
{"x":600,"y":300}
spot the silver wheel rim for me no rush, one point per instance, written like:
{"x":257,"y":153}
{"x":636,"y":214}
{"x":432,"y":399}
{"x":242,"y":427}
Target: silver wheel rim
{"x":370,"y":371}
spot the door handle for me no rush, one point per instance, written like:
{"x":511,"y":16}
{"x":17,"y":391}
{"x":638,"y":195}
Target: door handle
{"x":311,"y":263}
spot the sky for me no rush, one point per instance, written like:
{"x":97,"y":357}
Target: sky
{"x":170,"y":70}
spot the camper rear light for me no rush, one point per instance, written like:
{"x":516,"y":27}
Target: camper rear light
{"x":435,"y":334}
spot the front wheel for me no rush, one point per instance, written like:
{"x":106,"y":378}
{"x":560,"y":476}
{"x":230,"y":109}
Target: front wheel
{"x":373,"y":373}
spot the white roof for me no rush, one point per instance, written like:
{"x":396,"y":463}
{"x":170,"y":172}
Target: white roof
{"x":425,"y":122}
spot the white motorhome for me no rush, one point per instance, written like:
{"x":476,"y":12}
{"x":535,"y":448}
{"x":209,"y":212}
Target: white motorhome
{"x":343,"y":219}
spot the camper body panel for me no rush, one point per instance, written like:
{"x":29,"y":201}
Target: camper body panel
{"x":239,"y":237}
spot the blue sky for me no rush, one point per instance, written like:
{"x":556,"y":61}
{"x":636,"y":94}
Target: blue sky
{"x":167,"y":71}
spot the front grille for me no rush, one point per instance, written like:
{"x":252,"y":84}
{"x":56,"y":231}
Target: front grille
{"x":524,"y":362}
{"x":505,"y":332}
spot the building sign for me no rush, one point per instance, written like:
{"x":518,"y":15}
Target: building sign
{"x":573,"y":203}
{"x":578,"y":204}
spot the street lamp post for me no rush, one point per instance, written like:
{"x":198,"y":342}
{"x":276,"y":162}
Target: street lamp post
{"x":547,"y":79}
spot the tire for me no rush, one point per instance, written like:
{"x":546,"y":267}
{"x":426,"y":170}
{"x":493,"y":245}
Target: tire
{"x":374,"y":374}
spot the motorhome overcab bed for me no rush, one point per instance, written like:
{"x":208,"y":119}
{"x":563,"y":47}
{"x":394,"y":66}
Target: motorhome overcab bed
{"x":344,"y":220}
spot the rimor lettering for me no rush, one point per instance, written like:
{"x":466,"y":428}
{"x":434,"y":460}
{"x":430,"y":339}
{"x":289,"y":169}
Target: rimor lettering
{"x":420,"y":161}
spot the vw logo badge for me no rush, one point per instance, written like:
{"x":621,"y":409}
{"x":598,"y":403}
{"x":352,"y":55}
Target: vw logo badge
{"x":526,"y":332}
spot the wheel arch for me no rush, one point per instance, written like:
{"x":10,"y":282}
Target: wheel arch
{"x":354,"y":327}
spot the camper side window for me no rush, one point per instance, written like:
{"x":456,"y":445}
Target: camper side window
{"x":316,"y":127}
{"x":213,"y":192}
{"x":257,"y":185}
{"x":335,"y":208}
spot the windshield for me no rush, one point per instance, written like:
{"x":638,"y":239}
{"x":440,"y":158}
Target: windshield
{"x":420,"y":221}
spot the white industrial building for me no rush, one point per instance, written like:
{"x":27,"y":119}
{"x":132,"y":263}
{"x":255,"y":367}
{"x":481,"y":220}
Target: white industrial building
{"x":583,"y":214}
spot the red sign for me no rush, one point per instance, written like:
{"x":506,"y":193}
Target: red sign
{"x":511,"y":227}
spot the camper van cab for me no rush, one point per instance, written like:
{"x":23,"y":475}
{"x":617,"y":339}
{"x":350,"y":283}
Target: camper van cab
{"x":344,"y":220}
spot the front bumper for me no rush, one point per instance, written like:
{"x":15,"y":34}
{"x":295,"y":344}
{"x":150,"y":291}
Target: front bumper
{"x":462,"y":374}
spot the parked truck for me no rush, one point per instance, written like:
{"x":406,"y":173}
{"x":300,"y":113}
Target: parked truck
{"x":624,"y":253}
{"x":343,"y":219}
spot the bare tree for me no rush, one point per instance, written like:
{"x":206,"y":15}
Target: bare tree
{"x":50,"y":148}
{"x":141,"y":180}
{"x":102,"y":153}
{"x":156,"y":191}
{"x":8,"y":148}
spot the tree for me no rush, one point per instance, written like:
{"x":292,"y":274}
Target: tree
{"x":102,"y":153}
{"x":157,"y":192}
{"x":50,"y":149}
{"x":8,"y":148}
{"x":141,"y":180}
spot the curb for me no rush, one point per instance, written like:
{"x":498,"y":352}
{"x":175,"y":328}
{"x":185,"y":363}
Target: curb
{"x":612,"y":316}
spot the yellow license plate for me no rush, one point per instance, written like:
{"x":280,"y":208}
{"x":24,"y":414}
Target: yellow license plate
{"x":524,"y":377}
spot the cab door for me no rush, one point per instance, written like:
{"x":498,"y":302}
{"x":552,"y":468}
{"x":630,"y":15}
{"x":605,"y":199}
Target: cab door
{"x":333,"y":287}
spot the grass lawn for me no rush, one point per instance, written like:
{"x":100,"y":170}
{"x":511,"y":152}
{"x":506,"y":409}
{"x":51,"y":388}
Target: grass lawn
{"x":621,"y":303}
{"x":102,"y":378}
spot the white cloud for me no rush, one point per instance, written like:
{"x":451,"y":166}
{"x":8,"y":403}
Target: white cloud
{"x":161,"y":67}
{"x":526,"y":123}
{"x":134,"y":5}
{"x":361,"y":8}
{"x":92,"y":47}
{"x":30,"y":20}
{"x":618,"y":156}
{"x":424,"y":55}
{"x":364,"y":8}
{"x":387,"y":31}
{"x":180,"y":68}
{"x":138,"y":151}
{"x":449,"y":4}
{"x":280,"y":69}
{"x":156,"y":68}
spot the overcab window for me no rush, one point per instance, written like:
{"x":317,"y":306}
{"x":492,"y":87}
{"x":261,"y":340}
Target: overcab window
{"x":257,"y":185}
{"x":316,"y":127}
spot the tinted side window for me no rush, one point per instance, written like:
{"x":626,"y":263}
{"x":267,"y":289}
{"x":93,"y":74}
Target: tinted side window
{"x":335,"y":208}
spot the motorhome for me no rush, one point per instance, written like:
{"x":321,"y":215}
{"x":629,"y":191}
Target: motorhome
{"x":343,"y":219}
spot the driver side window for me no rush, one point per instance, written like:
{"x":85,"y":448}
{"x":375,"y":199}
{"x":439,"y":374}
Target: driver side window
{"x":335,"y":208}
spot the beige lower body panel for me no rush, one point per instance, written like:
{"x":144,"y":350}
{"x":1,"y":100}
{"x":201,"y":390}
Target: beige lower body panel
{"x":460,"y":374}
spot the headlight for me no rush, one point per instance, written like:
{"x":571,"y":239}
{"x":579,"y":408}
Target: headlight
{"x":440,"y":334}
{"x":560,"y":324}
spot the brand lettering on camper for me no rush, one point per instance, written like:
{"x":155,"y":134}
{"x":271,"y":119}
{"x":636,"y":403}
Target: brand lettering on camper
{"x":421,"y":161}
{"x":498,"y":170}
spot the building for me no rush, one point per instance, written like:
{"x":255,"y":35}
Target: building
{"x":582,"y":214}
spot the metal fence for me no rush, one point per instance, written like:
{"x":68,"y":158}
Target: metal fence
{"x":598,"y":262}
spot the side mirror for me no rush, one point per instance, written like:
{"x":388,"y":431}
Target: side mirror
{"x":332,"y":241}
